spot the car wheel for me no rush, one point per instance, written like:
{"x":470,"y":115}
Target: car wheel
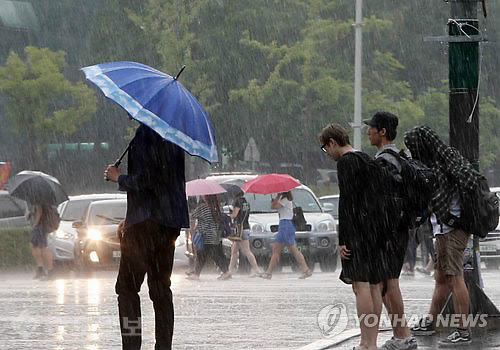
{"x":328,"y":263}
{"x":492,"y":264}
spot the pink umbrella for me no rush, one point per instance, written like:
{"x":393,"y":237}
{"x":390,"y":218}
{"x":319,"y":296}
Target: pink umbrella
{"x":271,"y":183}
{"x":202,"y":187}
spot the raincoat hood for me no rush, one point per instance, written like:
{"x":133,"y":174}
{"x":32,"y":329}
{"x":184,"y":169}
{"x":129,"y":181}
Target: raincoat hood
{"x":424,"y":144}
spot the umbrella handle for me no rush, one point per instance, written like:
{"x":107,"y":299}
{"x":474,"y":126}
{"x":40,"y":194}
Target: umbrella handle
{"x":119,"y":160}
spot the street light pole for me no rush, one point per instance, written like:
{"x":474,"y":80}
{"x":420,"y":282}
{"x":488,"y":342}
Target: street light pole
{"x":357,"y":75}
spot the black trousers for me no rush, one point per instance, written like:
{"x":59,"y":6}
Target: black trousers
{"x":146,"y":247}
{"x":213,"y":251}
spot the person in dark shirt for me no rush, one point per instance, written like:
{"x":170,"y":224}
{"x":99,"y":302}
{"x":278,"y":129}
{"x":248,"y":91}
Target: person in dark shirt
{"x":360,"y":237}
{"x":156,"y":212}
{"x":240,"y":214}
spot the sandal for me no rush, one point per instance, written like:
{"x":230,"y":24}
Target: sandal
{"x":266,"y":276}
{"x":306,"y":274}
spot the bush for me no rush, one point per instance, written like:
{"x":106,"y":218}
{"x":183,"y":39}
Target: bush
{"x":15,"y":249}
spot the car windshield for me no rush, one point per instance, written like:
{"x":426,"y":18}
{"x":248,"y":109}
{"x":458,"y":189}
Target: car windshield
{"x":107,"y":213}
{"x":261,"y":203}
{"x":334,"y":202}
{"x":75,"y":209}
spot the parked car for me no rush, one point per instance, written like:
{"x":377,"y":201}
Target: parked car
{"x":12,"y":211}
{"x":318,"y":242}
{"x":97,"y":244}
{"x":62,"y":242}
{"x":331,"y":204}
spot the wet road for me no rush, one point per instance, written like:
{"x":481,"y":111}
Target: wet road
{"x":241,"y":313}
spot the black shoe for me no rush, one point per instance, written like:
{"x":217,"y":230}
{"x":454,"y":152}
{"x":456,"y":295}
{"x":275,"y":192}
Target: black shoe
{"x":456,"y":338}
{"x":423,"y":327}
{"x":49,"y":276}
{"x":39,"y":273}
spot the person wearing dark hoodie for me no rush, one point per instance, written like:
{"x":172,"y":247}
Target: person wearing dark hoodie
{"x":454,"y":176}
{"x":382,"y":131}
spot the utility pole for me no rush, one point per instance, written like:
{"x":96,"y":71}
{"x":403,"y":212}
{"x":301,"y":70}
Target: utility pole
{"x":464,"y":76}
{"x":357,"y":74}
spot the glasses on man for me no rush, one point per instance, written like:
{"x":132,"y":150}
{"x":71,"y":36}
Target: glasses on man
{"x":323,"y":147}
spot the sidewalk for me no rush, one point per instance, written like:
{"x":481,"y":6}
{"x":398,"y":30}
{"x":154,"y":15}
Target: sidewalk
{"x":481,"y":339}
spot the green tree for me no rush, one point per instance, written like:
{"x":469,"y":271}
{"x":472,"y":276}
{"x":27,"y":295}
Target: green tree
{"x":41,"y":102}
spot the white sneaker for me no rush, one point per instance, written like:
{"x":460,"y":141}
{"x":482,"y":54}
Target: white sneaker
{"x":400,"y":344}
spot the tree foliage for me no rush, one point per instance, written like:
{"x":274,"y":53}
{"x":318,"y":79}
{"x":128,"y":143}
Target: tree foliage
{"x":41,"y":102}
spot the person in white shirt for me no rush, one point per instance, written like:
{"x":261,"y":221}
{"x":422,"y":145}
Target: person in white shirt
{"x":285,"y":236}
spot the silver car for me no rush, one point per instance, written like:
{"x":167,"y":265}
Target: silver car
{"x":62,"y":242}
{"x":12,"y":211}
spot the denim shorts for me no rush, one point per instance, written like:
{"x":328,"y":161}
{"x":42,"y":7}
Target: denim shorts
{"x":286,"y":233}
{"x":38,"y":238}
{"x":245,"y":235}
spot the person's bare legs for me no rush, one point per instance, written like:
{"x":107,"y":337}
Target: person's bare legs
{"x":37,"y":255}
{"x":460,"y":297}
{"x":368,"y":307}
{"x":298,"y":257}
{"x":440,"y":295}
{"x":275,"y":257}
{"x":47,"y":258}
{"x":235,"y":252}
{"x":245,"y":249}
{"x":393,"y":301}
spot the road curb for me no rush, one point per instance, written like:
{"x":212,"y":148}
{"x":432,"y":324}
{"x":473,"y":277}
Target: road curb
{"x":329,"y":343}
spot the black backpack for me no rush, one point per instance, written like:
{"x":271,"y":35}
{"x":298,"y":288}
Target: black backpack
{"x":479,"y":210}
{"x":50,"y":219}
{"x":416,"y":189}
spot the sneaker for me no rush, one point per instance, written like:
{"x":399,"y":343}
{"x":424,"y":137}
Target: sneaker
{"x":456,"y":338}
{"x":423,"y":327}
{"x":193,"y":277}
{"x":306,"y":274}
{"x":39,"y":273}
{"x":224,"y":276}
{"x":403,"y":344}
{"x":266,"y":276}
{"x":423,"y":270}
{"x":49,"y":276}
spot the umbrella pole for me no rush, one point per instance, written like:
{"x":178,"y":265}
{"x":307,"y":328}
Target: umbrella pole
{"x":119,"y":160}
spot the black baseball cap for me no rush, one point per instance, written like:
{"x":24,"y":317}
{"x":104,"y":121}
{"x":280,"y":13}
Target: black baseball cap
{"x":381,"y":120}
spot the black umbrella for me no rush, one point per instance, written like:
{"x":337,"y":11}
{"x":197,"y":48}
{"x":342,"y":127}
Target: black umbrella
{"x":232,"y":190}
{"x":37,"y":188}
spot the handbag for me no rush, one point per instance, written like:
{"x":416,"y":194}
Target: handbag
{"x":198,"y":241}
{"x":298,"y":218}
{"x":238,"y":232}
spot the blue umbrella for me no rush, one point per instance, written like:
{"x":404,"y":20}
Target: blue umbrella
{"x":159,"y":101}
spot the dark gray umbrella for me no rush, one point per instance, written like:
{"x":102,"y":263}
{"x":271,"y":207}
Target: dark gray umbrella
{"x":233,"y":190}
{"x":37,"y":188}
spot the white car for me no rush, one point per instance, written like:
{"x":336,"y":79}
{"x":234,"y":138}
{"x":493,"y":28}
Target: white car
{"x":318,"y":241}
{"x":62,"y":242}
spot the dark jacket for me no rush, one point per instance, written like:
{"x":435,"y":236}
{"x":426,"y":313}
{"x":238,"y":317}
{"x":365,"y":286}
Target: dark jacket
{"x":155,"y":183}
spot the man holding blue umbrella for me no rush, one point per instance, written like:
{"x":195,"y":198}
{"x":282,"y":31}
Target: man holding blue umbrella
{"x":172,"y":120}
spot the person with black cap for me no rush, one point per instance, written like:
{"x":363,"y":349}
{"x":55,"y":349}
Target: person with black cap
{"x":382,"y":130}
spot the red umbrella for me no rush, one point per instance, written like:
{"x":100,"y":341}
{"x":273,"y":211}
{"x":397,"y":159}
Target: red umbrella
{"x":271,"y":183}
{"x":203,"y":187}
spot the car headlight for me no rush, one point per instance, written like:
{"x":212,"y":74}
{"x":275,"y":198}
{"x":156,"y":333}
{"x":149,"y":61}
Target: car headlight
{"x":94,"y":235}
{"x":325,"y":226}
{"x":256,"y":227}
{"x":61,"y":234}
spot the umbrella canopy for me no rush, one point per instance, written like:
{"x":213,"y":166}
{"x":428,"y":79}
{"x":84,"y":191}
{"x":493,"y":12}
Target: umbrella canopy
{"x":271,"y":183}
{"x":159,"y":101}
{"x":201,"y":187}
{"x":232,"y":190}
{"x":37,"y":188}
